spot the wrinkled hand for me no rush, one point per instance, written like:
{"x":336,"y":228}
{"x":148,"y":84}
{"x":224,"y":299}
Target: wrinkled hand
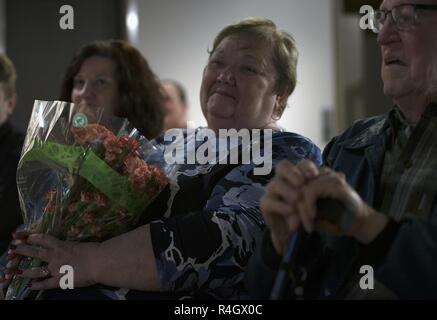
{"x":279,"y":204}
{"x":290,"y":200}
{"x":330,"y":184}
{"x":55,"y":253}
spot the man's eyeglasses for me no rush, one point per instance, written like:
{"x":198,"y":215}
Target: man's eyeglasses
{"x":404,"y":16}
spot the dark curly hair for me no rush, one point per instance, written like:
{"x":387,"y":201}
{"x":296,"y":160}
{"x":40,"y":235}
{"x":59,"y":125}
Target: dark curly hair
{"x":141,"y":100}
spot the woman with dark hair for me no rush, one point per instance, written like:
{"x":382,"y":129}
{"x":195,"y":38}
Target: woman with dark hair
{"x":114,"y":75}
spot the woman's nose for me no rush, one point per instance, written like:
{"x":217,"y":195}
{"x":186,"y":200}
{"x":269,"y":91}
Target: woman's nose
{"x":87,"y":91}
{"x":226,"y":76}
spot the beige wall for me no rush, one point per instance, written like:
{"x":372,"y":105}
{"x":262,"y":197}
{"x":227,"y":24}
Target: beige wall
{"x":174,"y":37}
{"x":360,"y":90}
{"x":2,"y":26}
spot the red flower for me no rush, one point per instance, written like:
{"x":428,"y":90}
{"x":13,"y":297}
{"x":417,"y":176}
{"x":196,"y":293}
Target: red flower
{"x":131,"y":145}
{"x":91,"y":133}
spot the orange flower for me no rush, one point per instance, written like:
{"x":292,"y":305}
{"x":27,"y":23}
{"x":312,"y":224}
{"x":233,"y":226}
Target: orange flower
{"x":91,"y":133}
{"x":140,"y":176}
{"x":109,"y":156}
{"x":86,"y":197}
{"x":80,"y":135}
{"x":113,"y":145}
{"x":129,"y":144}
{"x":88,"y":218}
{"x":51,"y":204}
{"x":96,"y":231}
{"x":73,"y":232}
{"x":122,"y":214}
{"x":72,"y":207}
{"x":50,"y":207}
{"x":101,"y":200}
{"x":132,"y":163}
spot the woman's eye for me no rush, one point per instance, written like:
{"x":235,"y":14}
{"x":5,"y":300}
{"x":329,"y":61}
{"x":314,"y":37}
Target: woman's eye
{"x":216,"y":63}
{"x":250,"y":69}
{"x":77,"y":83}
{"x":101,"y":82}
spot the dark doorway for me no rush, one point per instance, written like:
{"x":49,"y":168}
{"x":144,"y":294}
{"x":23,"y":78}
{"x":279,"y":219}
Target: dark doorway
{"x":41,"y":50}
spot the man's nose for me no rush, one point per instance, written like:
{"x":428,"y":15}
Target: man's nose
{"x":227,"y":76}
{"x":389,"y":32}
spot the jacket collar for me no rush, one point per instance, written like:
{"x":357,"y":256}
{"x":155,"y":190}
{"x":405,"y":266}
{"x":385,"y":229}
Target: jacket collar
{"x":375,"y":134}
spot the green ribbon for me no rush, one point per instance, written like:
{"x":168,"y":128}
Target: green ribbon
{"x":84,"y":162}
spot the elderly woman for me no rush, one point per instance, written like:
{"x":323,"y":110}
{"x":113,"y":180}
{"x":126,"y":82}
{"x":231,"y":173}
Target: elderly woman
{"x":201,"y":232}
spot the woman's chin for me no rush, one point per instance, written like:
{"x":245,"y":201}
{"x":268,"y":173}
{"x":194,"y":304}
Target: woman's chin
{"x":221,"y":112}
{"x":220,"y":123}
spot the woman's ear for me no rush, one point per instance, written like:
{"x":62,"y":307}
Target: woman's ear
{"x":11,"y":103}
{"x":282,"y":100}
{"x":280,"y":103}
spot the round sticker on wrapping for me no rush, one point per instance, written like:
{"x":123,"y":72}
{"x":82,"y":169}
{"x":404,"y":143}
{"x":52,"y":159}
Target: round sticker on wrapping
{"x":80,"y":120}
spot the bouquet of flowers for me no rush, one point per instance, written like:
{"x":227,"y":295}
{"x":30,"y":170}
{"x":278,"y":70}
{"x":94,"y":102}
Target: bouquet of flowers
{"x":82,"y":181}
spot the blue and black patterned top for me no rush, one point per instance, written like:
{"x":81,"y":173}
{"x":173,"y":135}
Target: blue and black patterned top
{"x":207,"y":224}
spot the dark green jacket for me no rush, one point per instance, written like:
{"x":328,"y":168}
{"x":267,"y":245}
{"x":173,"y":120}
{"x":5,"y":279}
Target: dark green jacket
{"x":404,"y":256}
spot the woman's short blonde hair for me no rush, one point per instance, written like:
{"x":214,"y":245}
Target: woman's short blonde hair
{"x":284,"y":52}
{"x":8,"y":76}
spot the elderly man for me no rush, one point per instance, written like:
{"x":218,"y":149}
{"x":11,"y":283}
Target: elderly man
{"x":382,"y":169}
{"x":11,"y":143}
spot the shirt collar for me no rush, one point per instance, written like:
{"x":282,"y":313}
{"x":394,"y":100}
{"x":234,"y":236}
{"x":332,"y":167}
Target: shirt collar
{"x":397,"y":118}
